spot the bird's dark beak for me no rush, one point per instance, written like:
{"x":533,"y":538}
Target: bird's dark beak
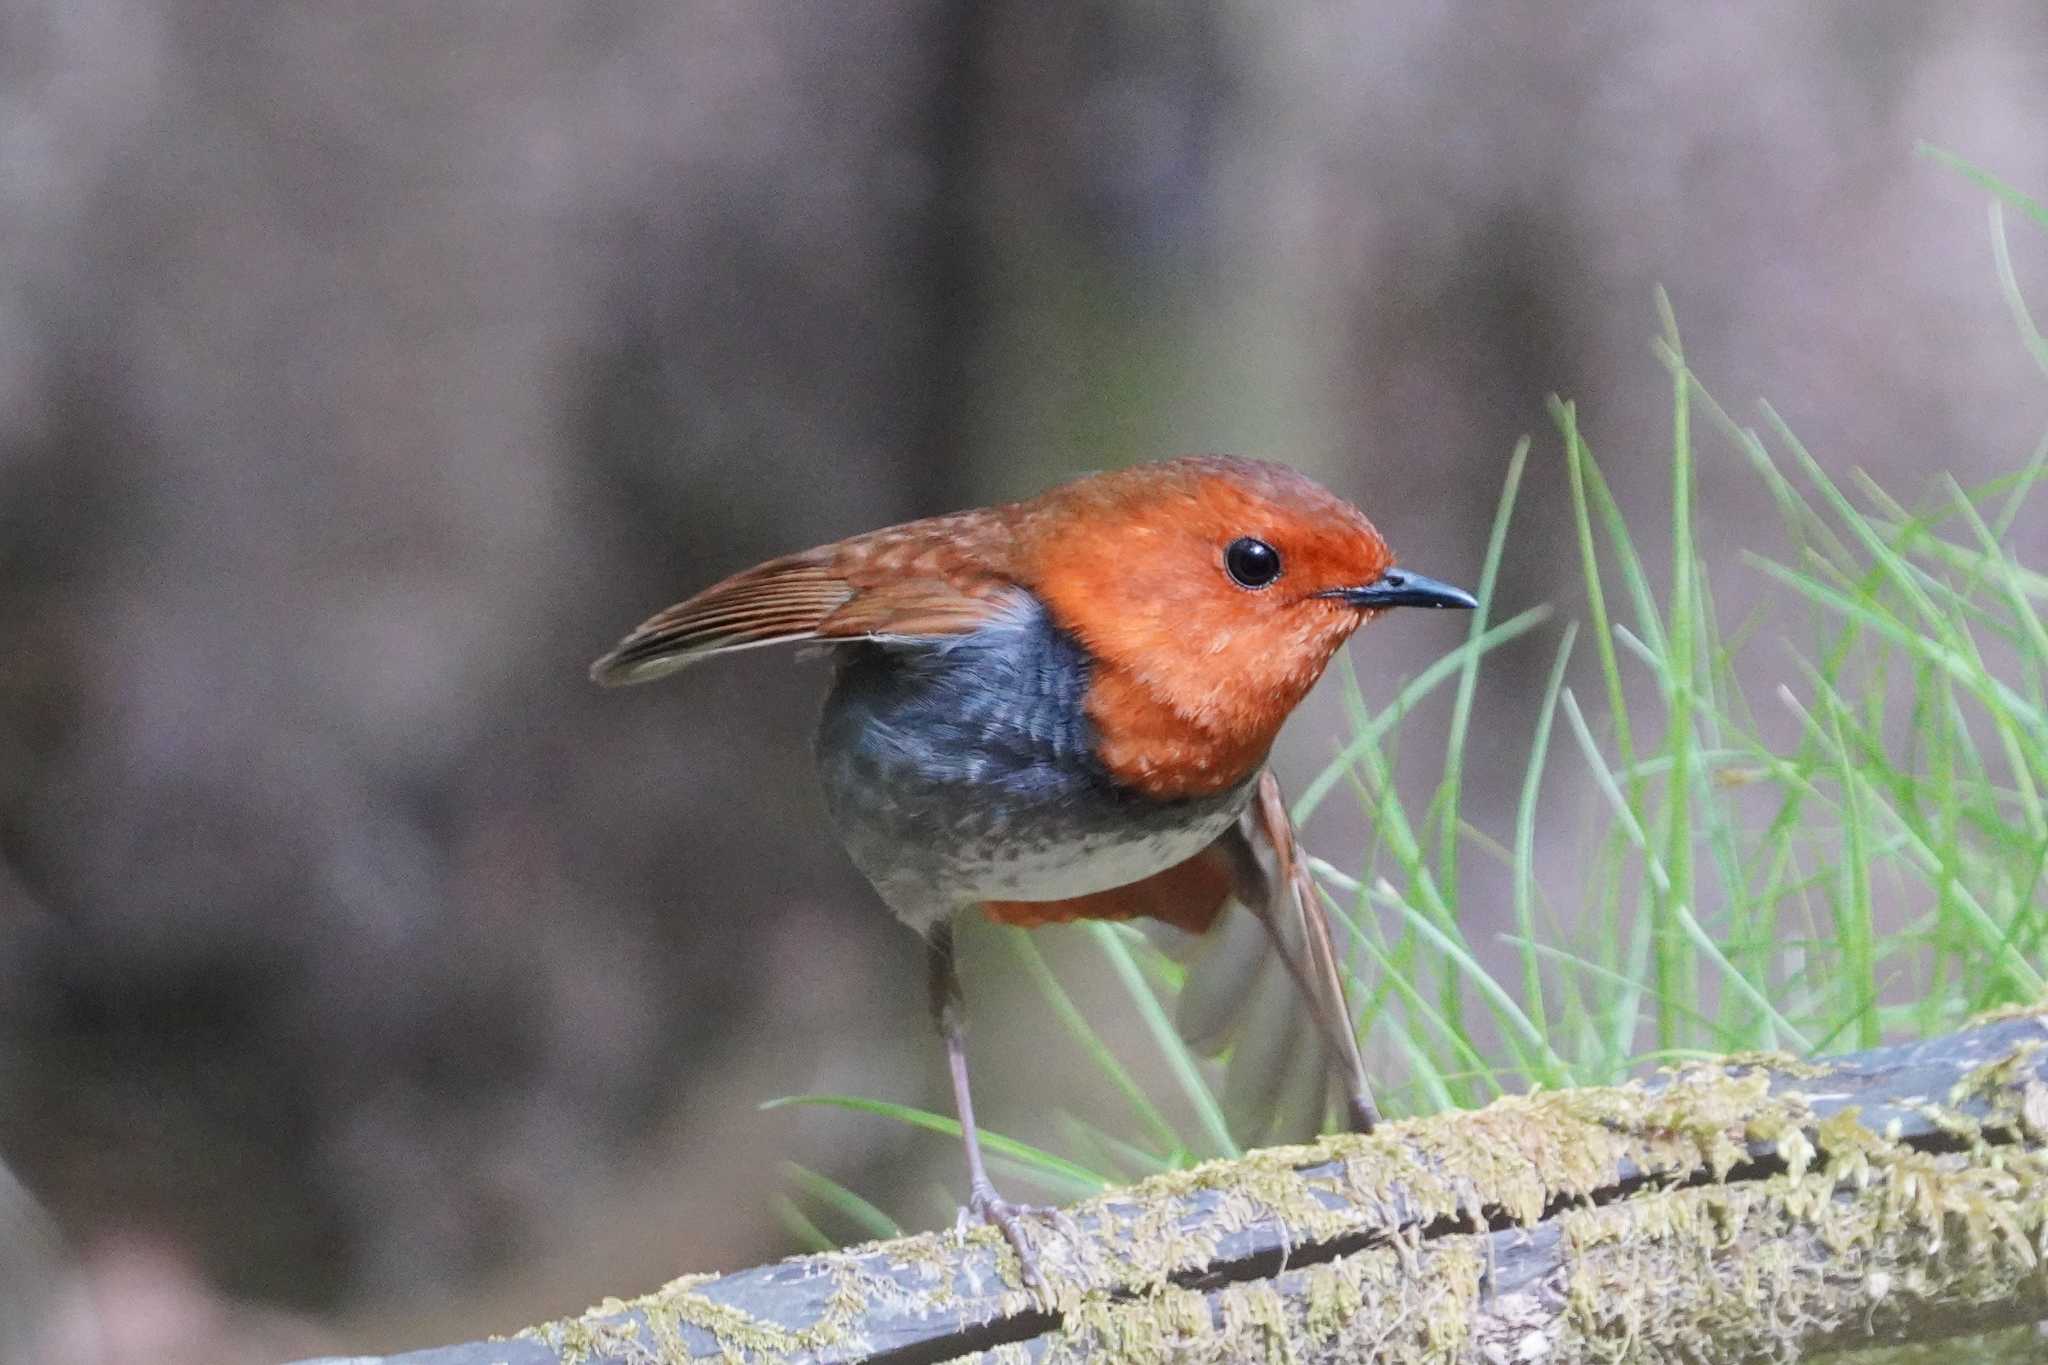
{"x":1399,"y":588}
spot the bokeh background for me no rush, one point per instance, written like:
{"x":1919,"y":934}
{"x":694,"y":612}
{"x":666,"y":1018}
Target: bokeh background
{"x":366,"y":977}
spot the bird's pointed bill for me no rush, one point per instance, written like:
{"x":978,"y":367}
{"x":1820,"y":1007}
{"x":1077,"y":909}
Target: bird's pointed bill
{"x":1400,"y":588}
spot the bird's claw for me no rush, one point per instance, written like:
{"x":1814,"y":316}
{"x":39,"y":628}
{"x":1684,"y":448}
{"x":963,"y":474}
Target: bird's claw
{"x":985,"y":1205}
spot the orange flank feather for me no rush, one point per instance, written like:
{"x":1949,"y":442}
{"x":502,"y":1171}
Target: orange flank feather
{"x":1187,"y":895}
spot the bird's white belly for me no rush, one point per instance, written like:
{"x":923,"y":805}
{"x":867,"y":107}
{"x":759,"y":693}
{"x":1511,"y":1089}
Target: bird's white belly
{"x":1081,"y":862}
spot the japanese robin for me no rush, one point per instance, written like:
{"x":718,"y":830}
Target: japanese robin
{"x":1061,"y":709}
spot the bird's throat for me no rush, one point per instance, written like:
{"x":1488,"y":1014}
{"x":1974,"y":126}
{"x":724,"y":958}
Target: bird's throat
{"x":1150,"y":745}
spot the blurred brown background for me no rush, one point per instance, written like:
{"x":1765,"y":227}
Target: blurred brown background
{"x":366,"y":977}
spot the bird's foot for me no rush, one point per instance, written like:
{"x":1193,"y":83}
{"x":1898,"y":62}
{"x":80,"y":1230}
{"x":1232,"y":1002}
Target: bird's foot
{"x":985,"y":1205}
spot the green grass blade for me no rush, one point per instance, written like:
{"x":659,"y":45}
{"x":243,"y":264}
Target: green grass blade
{"x":1147,"y":1113}
{"x":1057,"y":1171}
{"x":1425,"y":682}
{"x":1525,"y":823}
{"x":2009,"y":285}
{"x":801,"y":1229}
{"x":1675,"y":974}
{"x":1447,"y":798}
{"x":848,"y":1205}
{"x":1186,"y":1070}
{"x":1983,"y":178}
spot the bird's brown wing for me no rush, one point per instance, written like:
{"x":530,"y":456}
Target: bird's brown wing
{"x":937,"y":577}
{"x":1269,"y":986}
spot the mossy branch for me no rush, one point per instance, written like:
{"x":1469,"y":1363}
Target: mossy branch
{"x":1755,"y":1208}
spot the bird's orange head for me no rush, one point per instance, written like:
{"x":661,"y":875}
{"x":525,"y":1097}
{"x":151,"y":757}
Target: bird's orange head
{"x":1210,"y":593}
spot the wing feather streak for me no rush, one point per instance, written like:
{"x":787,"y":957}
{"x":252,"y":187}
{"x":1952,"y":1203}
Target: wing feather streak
{"x":933,"y":579}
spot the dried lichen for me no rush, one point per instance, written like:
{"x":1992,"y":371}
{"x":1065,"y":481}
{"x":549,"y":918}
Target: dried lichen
{"x":1366,"y":1306}
{"x":1765,"y":1268}
{"x":2000,"y":1013}
{"x":2018,"y":1346}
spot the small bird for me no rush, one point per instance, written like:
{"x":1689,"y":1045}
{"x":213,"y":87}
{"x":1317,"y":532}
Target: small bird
{"x":1061,"y":709}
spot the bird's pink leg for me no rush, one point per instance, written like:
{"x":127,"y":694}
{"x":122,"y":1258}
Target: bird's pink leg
{"x":949,"y":1012}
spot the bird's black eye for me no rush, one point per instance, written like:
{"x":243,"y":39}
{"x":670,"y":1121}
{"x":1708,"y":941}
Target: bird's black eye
{"x":1252,"y":562}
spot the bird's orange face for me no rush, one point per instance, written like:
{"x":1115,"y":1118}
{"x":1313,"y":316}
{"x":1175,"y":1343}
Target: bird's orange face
{"x":1211,"y":593}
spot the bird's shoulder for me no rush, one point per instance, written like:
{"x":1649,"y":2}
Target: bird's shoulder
{"x":938,"y":576}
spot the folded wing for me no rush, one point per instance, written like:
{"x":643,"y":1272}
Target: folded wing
{"x":924,"y":579}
